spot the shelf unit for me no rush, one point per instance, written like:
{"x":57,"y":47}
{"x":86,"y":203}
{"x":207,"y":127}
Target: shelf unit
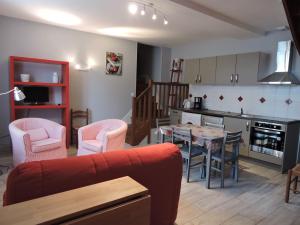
{"x":40,"y":71}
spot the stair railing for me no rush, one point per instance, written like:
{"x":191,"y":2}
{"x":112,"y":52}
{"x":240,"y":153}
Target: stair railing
{"x":154,"y":102}
{"x":141,"y":112}
{"x":165,"y":99}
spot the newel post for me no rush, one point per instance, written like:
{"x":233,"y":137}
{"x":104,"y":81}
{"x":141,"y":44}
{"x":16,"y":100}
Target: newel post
{"x":150,"y":103}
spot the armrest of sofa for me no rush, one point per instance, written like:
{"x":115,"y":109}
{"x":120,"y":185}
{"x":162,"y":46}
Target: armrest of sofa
{"x":20,"y":140}
{"x":55,"y":130}
{"x":115,"y":138}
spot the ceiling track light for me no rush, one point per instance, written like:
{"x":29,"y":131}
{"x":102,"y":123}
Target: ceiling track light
{"x":154,"y":16}
{"x":143,"y":11}
{"x":132,"y":8}
{"x":135,"y":6}
{"x":165,"y":21}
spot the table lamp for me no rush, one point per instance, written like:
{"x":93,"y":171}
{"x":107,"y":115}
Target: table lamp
{"x":18,"y":94}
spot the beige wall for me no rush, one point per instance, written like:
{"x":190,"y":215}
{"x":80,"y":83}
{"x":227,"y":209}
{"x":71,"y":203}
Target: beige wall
{"x":106,"y":96}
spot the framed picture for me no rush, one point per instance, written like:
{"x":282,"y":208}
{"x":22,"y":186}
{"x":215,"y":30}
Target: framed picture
{"x":114,"y":63}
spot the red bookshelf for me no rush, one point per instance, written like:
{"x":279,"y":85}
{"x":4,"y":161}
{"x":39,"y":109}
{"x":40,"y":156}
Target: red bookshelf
{"x":44,"y":84}
{"x":41,"y":71}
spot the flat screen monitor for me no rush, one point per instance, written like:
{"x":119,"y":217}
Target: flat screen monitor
{"x":36,"y":95}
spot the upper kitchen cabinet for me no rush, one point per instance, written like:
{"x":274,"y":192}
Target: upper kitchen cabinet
{"x":191,"y":71}
{"x":225,"y":69}
{"x":247,"y":68}
{"x":240,"y":69}
{"x":207,"y":74}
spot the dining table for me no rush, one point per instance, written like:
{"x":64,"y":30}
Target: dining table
{"x":211,"y":138}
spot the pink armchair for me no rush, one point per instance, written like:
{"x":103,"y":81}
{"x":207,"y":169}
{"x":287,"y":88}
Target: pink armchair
{"x":35,"y":139}
{"x":101,"y":136}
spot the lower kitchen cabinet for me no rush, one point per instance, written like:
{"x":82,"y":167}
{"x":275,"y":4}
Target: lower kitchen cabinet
{"x":235,"y":125}
{"x":175,"y":116}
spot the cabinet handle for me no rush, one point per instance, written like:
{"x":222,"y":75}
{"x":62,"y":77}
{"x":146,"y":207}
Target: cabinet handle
{"x":200,"y":79}
{"x":231,"y":78}
{"x":247,"y":126}
{"x":236,"y":78}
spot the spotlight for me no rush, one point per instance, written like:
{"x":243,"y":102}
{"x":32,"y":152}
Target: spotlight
{"x":166,"y":21}
{"x":132,"y":8}
{"x":143,"y":11}
{"x":154,"y":16}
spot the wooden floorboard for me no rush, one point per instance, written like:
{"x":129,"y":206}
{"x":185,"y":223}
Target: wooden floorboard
{"x":258,"y":198}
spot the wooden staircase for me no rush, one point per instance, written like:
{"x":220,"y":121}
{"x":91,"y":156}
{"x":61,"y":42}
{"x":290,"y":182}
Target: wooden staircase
{"x":151,"y":104}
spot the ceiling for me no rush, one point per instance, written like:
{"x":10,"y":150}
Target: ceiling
{"x":203,"y":20}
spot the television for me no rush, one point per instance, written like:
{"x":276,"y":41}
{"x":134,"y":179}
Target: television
{"x":36,"y":95}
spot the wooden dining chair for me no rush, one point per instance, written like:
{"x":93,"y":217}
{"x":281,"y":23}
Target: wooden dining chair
{"x":188,"y":149}
{"x":224,"y":156}
{"x":293,"y":176}
{"x":79,"y":118}
{"x":215,"y":125}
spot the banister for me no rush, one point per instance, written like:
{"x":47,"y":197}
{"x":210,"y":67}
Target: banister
{"x":155,"y":102}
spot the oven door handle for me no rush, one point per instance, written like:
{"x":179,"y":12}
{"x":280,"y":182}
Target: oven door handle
{"x":268,"y":131}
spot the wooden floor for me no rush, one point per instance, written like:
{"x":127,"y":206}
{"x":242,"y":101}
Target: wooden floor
{"x":257,"y":199}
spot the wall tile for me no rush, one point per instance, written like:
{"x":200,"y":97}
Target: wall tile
{"x":294,"y":110}
{"x":274,"y":105}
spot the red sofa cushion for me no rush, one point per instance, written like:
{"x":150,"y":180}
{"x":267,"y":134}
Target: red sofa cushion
{"x":157,"y":167}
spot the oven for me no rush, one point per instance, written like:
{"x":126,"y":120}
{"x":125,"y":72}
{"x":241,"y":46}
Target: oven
{"x":267,"y":139}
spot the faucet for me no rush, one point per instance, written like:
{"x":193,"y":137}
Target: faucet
{"x":242,"y":111}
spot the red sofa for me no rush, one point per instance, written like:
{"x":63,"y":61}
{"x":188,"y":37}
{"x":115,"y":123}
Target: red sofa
{"x":157,"y":167}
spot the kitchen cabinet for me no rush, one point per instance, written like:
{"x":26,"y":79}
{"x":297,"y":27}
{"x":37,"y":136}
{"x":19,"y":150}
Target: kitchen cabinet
{"x":247,"y":66}
{"x":191,"y":73}
{"x":175,"y":116}
{"x":238,"y":69}
{"x":225,"y":69}
{"x":207,"y":74}
{"x":237,"y":124}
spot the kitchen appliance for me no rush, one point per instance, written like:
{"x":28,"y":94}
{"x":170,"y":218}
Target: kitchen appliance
{"x":198,"y":103}
{"x":283,"y":74}
{"x":268,"y":139}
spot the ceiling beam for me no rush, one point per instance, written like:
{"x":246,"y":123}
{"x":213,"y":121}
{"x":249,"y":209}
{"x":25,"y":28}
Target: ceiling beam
{"x":219,"y":16}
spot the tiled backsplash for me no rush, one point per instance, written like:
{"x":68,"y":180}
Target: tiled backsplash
{"x":269,"y":100}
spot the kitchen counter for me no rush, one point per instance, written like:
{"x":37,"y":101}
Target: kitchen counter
{"x":244,"y":116}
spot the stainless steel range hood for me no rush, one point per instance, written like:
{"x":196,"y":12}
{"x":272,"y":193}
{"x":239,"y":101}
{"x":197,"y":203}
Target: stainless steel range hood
{"x":283,"y":74}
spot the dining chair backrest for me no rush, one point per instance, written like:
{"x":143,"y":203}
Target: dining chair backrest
{"x":163,"y":122}
{"x":215,"y":125}
{"x":160,"y":135}
{"x":233,"y":139}
{"x":182,"y":134}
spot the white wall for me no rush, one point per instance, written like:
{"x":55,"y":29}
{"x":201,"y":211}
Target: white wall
{"x":156,"y":63}
{"x":106,"y":96}
{"x":165,"y":64}
{"x":161,"y":64}
{"x":276,"y":96}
